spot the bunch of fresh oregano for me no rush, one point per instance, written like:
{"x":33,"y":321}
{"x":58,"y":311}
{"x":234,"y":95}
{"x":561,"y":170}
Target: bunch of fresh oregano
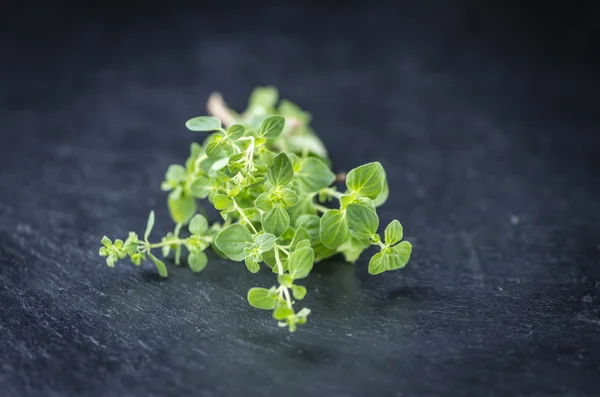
{"x":267,"y":173}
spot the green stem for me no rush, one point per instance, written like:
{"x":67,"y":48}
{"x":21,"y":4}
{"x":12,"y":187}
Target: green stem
{"x":321,"y":208}
{"x":243,"y":215}
{"x":162,"y":244}
{"x":283,"y":250}
{"x":279,"y":264}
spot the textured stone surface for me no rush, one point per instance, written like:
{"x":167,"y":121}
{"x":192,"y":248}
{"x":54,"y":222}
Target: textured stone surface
{"x":490,"y":144}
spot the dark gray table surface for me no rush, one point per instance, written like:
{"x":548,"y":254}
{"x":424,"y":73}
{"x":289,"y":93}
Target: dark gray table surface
{"x":490,"y":138}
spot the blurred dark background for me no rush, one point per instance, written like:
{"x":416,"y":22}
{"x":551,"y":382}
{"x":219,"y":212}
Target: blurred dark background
{"x":485,"y":115}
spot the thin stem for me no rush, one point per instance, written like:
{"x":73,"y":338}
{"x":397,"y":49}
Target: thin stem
{"x":244,"y":217}
{"x":198,"y":161}
{"x":333,"y":192}
{"x":279,"y":264}
{"x":381,"y":245}
{"x":283,"y":250}
{"x":168,"y":242}
{"x":286,"y":292}
{"x":321,"y":208}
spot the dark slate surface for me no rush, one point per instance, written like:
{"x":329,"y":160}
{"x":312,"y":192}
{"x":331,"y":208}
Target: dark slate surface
{"x":488,"y":130}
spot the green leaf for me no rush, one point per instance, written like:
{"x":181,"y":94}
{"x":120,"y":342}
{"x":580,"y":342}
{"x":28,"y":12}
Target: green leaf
{"x":160,"y":265}
{"x":264,"y":201}
{"x":393,"y":232}
{"x":288,"y":197}
{"x":402,"y":252}
{"x":300,"y":235}
{"x":106,"y":242}
{"x":352,"y":249}
{"x":302,"y":244}
{"x":275,"y":221}
{"x":264,"y":96}
{"x":300,"y":263}
{"x":378,"y":263}
{"x":334,"y":228}
{"x":197,"y":261}
{"x":176,"y":173}
{"x":281,"y":172}
{"x":252,"y":265}
{"x":367,"y":180}
{"x":265,"y":242}
{"x":282,"y":312}
{"x":233,"y":240}
{"x":223,"y":202}
{"x":362,"y":219}
{"x":203,"y":123}
{"x":312,"y":224}
{"x":262,"y":298}
{"x":201,"y":187}
{"x":149,"y":225}
{"x":383,"y":196}
{"x":198,"y":224}
{"x":304,"y":206}
{"x":298,"y":291}
{"x":182,"y":209}
{"x":314,"y":175}
{"x":235,"y":132}
{"x":285,"y":279}
{"x":271,"y":127}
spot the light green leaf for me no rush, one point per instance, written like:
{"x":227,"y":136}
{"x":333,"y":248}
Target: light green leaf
{"x":182,"y":209}
{"x":378,"y":263}
{"x":304,"y":206}
{"x":201,"y":187}
{"x":362,"y":219}
{"x":160,"y":265}
{"x":197,"y":261}
{"x":252,"y":265}
{"x":264,"y":201}
{"x":334,"y":228}
{"x":393,"y":232}
{"x":223,"y":202}
{"x":203,"y":123}
{"x":298,"y":291}
{"x":271,"y":127}
{"x":367,"y":180}
{"x":235,"y":132}
{"x":262,"y":298}
{"x":312,"y":224}
{"x":300,"y":235}
{"x":303,"y":244}
{"x":298,"y":143}
{"x":149,"y":225}
{"x":314,"y":175}
{"x":233,"y":240}
{"x":106,"y":242}
{"x":285,"y":279}
{"x":281,"y":172}
{"x":176,"y":173}
{"x":265,"y":97}
{"x":296,"y":162}
{"x":282,"y":312}
{"x":401,"y":252}
{"x":300,"y":263}
{"x":383,"y":196}
{"x":288,"y":197}
{"x":303,"y":313}
{"x":198,"y":224}
{"x":352,"y":249}
{"x":265,"y":242}
{"x":275,"y":221}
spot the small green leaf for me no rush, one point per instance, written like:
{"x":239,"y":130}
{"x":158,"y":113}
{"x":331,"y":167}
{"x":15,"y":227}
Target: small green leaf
{"x":288,"y":197}
{"x":198,"y":224}
{"x":282,"y":312}
{"x":233,"y":240}
{"x":285,"y":280}
{"x":149,"y":225}
{"x":300,"y":235}
{"x":263,"y":201}
{"x":182,"y":209}
{"x":367,"y":180}
{"x":352,"y":249}
{"x":223,"y":202}
{"x":314,"y":175}
{"x":303,"y":313}
{"x":197,"y":261}
{"x":393,"y":232}
{"x":378,"y":263}
{"x":235,"y":132}
{"x":203,"y":123}
{"x":262,"y":298}
{"x":402,"y":251}
{"x":252,"y":265}
{"x":300,"y":263}
{"x":312,"y":224}
{"x":264,"y":96}
{"x":106,"y":242}
{"x":265,"y":242}
{"x":275,"y":221}
{"x":362,"y":219}
{"x":281,"y":172}
{"x":302,"y":244}
{"x":201,"y":187}
{"x":304,"y":206}
{"x":160,"y":265}
{"x":176,"y":173}
{"x":271,"y":127}
{"x":298,"y":291}
{"x":383,"y":196}
{"x":334,"y":228}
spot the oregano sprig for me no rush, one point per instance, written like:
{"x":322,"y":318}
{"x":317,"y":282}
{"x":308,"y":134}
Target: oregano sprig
{"x":268,"y":175}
